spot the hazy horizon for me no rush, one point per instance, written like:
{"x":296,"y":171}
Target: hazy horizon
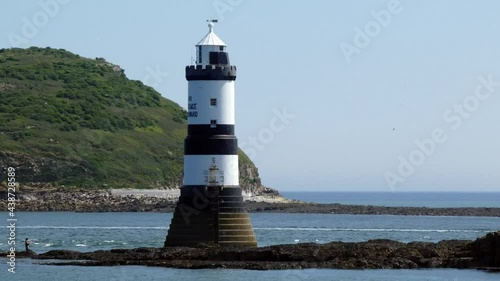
{"x":377,"y":96}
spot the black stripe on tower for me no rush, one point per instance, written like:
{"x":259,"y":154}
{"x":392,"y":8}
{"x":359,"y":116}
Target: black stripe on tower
{"x":211,"y":145}
{"x":208,"y":130}
{"x":188,"y":191}
{"x":230,"y":197}
{"x":211,"y":72}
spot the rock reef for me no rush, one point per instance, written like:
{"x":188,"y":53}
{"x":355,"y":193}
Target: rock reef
{"x":314,"y":208}
{"x":483,"y":253}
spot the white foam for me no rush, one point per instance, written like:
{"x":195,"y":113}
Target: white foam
{"x":92,"y":227}
{"x":48,"y":245}
{"x":108,"y":241}
{"x":373,"y":229}
{"x":81,"y":245}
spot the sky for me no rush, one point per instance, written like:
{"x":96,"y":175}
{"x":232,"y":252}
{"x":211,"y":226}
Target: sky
{"x":365,"y":95}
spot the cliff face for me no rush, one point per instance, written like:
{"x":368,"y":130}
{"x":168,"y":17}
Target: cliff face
{"x":73,"y":121}
{"x":251,"y":183}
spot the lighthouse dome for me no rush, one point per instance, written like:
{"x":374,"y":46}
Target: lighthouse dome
{"x":211,"y":38}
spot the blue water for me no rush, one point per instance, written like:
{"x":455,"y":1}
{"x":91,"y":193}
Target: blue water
{"x":29,"y":271}
{"x":98,"y":231}
{"x":409,"y":199}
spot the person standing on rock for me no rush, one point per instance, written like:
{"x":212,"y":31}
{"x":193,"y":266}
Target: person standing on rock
{"x":27,"y":245}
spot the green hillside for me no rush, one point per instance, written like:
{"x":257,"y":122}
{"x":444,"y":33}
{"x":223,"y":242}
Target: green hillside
{"x":76,"y":121}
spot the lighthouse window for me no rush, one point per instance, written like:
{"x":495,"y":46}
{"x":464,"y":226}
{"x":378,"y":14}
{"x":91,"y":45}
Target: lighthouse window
{"x":221,"y":48}
{"x":218,"y":58}
{"x":213,"y":102}
{"x":213,"y":123}
{"x":214,"y":58}
{"x":223,"y":58}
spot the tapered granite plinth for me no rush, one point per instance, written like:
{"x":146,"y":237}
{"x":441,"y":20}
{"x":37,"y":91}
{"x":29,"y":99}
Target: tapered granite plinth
{"x":210,"y":215}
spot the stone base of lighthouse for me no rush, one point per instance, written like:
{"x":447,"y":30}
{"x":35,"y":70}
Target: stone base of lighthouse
{"x":210,"y":215}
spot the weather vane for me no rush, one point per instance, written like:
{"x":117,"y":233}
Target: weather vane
{"x":211,"y":24}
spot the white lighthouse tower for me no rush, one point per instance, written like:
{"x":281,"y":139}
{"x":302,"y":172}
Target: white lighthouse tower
{"x":210,"y":208}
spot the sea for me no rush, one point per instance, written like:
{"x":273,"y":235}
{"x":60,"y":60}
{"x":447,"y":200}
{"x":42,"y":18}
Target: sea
{"x":103,"y":231}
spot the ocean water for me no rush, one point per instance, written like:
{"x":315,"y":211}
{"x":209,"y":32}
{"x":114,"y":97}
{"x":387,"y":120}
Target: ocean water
{"x":99,"y":231}
{"x":408,"y":199}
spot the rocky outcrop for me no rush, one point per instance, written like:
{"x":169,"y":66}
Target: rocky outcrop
{"x":486,"y":250}
{"x":314,"y":208}
{"x":372,"y":254}
{"x":22,"y":254}
{"x":251,"y":184}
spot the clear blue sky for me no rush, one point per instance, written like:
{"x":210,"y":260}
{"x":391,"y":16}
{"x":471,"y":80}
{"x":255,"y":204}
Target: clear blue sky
{"x":354,"y":114}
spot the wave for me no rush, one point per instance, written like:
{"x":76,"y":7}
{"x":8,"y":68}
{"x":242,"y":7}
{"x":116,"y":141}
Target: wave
{"x":372,"y":229}
{"x":81,"y":245}
{"x":48,"y":245}
{"x":108,"y":241}
{"x":91,"y":227}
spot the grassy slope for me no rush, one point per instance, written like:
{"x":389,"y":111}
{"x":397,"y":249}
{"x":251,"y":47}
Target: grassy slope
{"x":58,"y":105}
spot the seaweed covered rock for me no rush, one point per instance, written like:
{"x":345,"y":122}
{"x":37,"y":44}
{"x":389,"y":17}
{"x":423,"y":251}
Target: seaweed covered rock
{"x":486,"y":250}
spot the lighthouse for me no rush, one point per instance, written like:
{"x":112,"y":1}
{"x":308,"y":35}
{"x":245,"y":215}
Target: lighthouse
{"x":210,"y":207}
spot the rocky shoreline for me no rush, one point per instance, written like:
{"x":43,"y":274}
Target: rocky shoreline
{"x":84,"y":200}
{"x":313,"y":208}
{"x":483,"y":253}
